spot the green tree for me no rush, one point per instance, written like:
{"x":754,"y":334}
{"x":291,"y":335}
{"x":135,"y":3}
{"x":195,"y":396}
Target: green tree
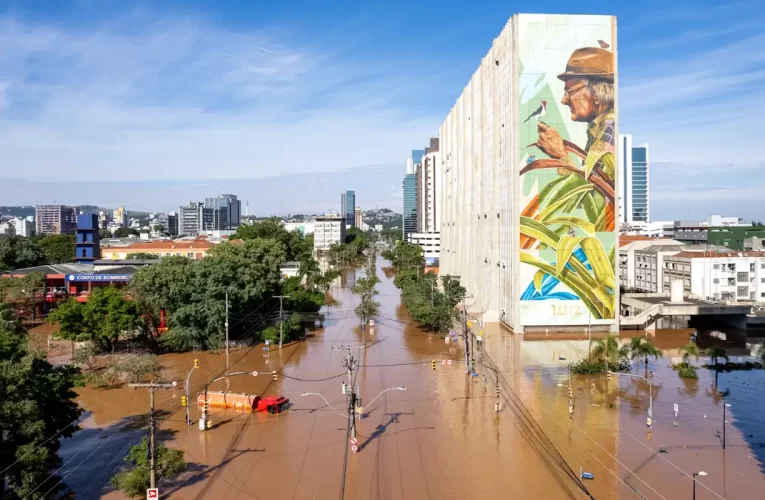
{"x":135,"y":482}
{"x":24,"y":292}
{"x":102,"y":319}
{"x":17,"y":252}
{"x":324,"y":282}
{"x":453,"y":291}
{"x":611,"y":351}
{"x":104,"y":234}
{"x":641,"y":347}
{"x":143,"y":256}
{"x":273,"y":229}
{"x":405,"y":255}
{"x":125,"y":232}
{"x":310,"y":270}
{"x":689,"y":351}
{"x":37,"y":410}
{"x":58,"y":248}
{"x":301,"y":299}
{"x":716,"y":353}
{"x":192,"y":293}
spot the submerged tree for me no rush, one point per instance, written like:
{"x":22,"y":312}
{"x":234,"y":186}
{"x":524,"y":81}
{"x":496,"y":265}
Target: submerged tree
{"x":37,"y":410}
{"x":612,"y":352}
{"x":641,"y":347}
{"x":135,"y":482}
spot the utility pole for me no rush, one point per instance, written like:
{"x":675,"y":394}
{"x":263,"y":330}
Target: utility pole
{"x":227,"y":331}
{"x":350,"y":364}
{"x":465,"y":336}
{"x":281,"y":318}
{"x":152,"y":428}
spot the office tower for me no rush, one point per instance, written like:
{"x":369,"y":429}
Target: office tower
{"x":55,"y":219}
{"x":635,"y":192}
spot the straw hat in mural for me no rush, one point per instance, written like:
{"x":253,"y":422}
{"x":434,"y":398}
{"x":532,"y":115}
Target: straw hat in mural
{"x":590,"y":62}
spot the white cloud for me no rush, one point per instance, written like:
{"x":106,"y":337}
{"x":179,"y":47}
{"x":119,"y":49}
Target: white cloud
{"x":171,"y":98}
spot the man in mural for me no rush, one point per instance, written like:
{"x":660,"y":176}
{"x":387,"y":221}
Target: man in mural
{"x":589,"y":94}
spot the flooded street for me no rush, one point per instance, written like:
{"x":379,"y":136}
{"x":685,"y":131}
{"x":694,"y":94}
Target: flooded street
{"x":441,"y":438}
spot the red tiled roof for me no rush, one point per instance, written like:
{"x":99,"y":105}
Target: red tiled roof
{"x":629,"y":238}
{"x":156,"y":246}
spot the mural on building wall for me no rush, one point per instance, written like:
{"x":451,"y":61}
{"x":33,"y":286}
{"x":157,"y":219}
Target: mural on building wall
{"x":568,"y":169}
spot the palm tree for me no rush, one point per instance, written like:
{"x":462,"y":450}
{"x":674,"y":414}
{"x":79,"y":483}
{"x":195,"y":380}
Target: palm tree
{"x":688,"y":351}
{"x":642,"y":347}
{"x":309,"y":269}
{"x":715,"y":353}
{"x":610,"y":350}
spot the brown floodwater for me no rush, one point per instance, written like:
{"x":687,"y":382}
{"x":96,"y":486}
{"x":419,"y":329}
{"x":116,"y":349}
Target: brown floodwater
{"x":441,"y":438}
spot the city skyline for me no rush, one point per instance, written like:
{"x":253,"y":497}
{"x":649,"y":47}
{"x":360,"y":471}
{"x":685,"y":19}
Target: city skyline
{"x":145,"y":121}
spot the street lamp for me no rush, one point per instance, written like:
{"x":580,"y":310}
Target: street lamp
{"x":325,"y":400}
{"x":383,"y":392}
{"x":188,"y":377}
{"x":699,"y":473}
{"x":726,"y":405}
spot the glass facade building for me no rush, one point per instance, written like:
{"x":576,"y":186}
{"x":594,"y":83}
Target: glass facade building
{"x":635,"y":193}
{"x":410,"y":205}
{"x":348,"y":207}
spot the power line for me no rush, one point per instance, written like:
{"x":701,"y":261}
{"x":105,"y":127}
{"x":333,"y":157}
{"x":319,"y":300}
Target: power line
{"x":159,"y":421}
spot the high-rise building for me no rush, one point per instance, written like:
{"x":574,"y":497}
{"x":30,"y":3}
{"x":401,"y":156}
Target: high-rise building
{"x":121,"y":216}
{"x":409,"y":215}
{"x":509,"y":206}
{"x":24,"y":226}
{"x":358,"y":218}
{"x":635,"y":192}
{"x":428,"y":173}
{"x":55,"y":219}
{"x":195,"y":218}
{"x":227,"y":210}
{"x":348,"y":207}
{"x":172,"y":224}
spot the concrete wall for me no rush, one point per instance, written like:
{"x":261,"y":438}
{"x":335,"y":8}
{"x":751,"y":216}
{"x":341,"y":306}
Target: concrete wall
{"x":477,"y":191}
{"x":484,"y":146}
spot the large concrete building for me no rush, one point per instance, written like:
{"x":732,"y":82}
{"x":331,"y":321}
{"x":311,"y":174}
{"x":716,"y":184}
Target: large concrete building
{"x":328,"y":230}
{"x":55,"y":219}
{"x":428,"y":175}
{"x":529,"y":183}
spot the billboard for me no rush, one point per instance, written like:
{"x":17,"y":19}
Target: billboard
{"x":566,"y":75}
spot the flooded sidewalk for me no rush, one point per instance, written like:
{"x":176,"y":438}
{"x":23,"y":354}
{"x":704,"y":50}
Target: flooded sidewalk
{"x":607,"y":434}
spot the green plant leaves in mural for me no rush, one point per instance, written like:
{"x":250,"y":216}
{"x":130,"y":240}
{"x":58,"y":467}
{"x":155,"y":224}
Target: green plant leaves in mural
{"x":561,"y":202}
{"x":594,"y":287}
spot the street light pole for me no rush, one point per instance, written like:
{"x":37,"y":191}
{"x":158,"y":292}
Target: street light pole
{"x":726,"y":405}
{"x":153,"y":428}
{"x":188,"y":378}
{"x":227,"y":365}
{"x":281,"y":319}
{"x":700,"y":473}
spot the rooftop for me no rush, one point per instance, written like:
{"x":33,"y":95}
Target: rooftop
{"x":728,"y":254}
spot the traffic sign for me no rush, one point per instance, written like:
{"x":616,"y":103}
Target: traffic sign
{"x":353,"y":441}
{"x":254,"y":374}
{"x":443,"y":362}
{"x":152,"y":493}
{"x":449,"y":362}
{"x":677,"y":408}
{"x":355,"y":449}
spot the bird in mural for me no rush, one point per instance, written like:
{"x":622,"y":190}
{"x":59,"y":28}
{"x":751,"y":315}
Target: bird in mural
{"x":539,"y":113}
{"x":603,"y":45}
{"x":572,"y":232}
{"x":530,"y":159}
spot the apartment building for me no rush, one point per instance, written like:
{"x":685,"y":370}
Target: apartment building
{"x":328,"y":230}
{"x":195,"y":249}
{"x":722,"y":275}
{"x":55,"y":219}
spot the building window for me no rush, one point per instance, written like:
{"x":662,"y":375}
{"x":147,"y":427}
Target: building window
{"x":742,"y":291}
{"x":742,"y":277}
{"x":752,"y":295}
{"x":731,"y":282}
{"x":716,"y":266}
{"x":716,"y":281}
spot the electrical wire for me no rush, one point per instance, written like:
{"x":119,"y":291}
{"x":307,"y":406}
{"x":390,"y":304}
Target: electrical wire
{"x":159,"y":421}
{"x":314,"y":379}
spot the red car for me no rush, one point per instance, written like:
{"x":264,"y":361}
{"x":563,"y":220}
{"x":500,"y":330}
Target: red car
{"x":273,"y":404}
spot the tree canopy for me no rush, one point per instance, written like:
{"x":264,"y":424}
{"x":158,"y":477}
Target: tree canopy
{"x":296,"y":247}
{"x":37,"y":409}
{"x":58,"y":248}
{"x":102,"y":319}
{"x":17,"y":252}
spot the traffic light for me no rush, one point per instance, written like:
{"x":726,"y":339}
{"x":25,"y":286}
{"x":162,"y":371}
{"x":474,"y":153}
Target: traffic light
{"x":196,"y":363}
{"x":608,"y":376}
{"x":433,"y":364}
{"x":184,"y":403}
{"x":498,"y":395}
{"x":570,"y":393}
{"x":205,"y":406}
{"x":273,"y":376}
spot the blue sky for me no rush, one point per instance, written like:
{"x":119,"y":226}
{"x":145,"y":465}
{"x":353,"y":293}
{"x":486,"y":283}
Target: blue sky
{"x":182,"y":94}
